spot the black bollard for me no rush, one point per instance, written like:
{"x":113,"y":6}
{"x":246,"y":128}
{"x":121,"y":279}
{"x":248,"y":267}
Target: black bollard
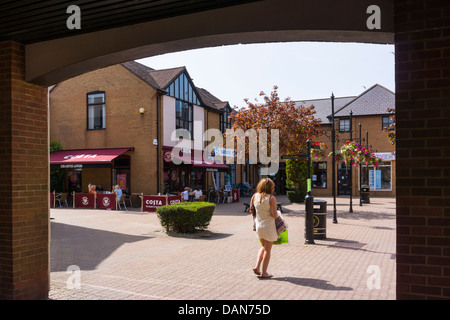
{"x":309,"y":219}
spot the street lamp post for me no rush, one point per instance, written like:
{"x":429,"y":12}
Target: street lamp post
{"x":309,"y":203}
{"x":360,"y":187}
{"x":333,"y":170}
{"x":351,"y":167}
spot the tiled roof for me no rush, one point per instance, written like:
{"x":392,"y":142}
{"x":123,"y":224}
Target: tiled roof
{"x":165,"y":77}
{"x":142,"y":72}
{"x":374,"y":101}
{"x":323,"y":106}
{"x":210,"y":100}
{"x":160,"y":79}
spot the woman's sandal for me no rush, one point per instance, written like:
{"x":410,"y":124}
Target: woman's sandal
{"x":265,"y":277}
{"x":256,"y":271}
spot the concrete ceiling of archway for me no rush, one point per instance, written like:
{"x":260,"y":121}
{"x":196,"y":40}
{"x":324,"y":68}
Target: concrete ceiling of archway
{"x":52,"y":61}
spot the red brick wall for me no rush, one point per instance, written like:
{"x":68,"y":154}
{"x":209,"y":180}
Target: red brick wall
{"x":24,"y":212}
{"x":422,"y":42}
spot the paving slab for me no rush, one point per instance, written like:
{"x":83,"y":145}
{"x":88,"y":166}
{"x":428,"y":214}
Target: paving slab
{"x":126,"y":255}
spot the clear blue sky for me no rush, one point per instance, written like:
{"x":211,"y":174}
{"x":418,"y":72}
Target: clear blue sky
{"x":301,"y":70}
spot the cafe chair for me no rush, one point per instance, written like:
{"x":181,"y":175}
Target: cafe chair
{"x":62,"y":199}
{"x":122,"y":201}
{"x":220,"y":197}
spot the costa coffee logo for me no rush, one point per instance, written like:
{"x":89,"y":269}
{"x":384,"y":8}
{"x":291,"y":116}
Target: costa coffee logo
{"x":152,"y":202}
{"x":106,"y":202}
{"x":80,"y":156}
{"x":85,"y":201}
{"x":168,"y":156}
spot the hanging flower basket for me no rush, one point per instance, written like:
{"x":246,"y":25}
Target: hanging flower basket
{"x":318,"y":151}
{"x":354,"y":154}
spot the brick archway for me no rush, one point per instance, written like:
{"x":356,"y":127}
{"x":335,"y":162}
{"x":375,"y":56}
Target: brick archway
{"x":422,"y":42}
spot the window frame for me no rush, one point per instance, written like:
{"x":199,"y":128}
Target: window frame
{"x":384,"y":164}
{"x":190,"y":116}
{"x":346,"y":127}
{"x":388,"y":124}
{"x":314,"y":172}
{"x":225,"y":122}
{"x":182,"y":88}
{"x":94,"y":104}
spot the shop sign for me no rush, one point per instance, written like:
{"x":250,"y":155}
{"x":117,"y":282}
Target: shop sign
{"x":151,"y":203}
{"x":224,"y":152}
{"x":385,"y":156}
{"x":71,"y":166}
{"x":173,"y":199}
{"x":80,"y":156}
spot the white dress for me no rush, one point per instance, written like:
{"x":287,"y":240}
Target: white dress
{"x":264,"y":221}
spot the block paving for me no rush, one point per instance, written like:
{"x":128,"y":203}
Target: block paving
{"x":126,"y":255}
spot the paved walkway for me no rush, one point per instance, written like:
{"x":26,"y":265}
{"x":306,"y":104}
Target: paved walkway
{"x":127,"y":255}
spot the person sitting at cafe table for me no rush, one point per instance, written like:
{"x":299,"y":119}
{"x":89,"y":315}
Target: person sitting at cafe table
{"x":185,"y":194}
{"x":118,"y":191}
{"x":91,"y":188}
{"x":197,"y":193}
{"x":99,"y":188}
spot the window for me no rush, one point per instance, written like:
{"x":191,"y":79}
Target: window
{"x":344,"y":125}
{"x":379,"y":179}
{"x":184,"y":116}
{"x":387,"y":123}
{"x":319,"y":177}
{"x":182,"y":89}
{"x":96,"y":110}
{"x":225,"y":121}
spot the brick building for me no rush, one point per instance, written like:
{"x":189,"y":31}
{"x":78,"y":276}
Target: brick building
{"x":370,"y":109}
{"x":37,"y":53}
{"x":126,"y":114}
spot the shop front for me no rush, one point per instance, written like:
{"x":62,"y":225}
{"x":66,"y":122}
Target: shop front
{"x":192,"y":172}
{"x":73,"y":170}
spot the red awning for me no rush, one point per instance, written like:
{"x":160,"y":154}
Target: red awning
{"x":203,"y":164}
{"x":196,"y":162}
{"x":86,"y":156}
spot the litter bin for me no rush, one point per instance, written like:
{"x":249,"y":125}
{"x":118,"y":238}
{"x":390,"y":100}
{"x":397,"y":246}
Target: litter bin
{"x":365,"y":194}
{"x":320,"y":219}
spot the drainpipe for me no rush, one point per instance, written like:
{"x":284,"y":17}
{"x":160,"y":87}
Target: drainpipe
{"x":158,"y":97}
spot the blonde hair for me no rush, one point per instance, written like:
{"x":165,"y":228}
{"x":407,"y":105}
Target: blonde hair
{"x":265,"y":187}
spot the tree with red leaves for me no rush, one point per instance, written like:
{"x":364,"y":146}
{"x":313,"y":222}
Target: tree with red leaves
{"x":296,"y":124}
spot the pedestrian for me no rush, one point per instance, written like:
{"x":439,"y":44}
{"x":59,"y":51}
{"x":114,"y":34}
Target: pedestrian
{"x":265,"y":207}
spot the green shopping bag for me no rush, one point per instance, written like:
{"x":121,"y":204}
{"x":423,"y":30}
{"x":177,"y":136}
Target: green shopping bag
{"x":283,"y":238}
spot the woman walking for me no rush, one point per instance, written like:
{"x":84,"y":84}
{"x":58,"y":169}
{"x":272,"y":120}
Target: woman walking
{"x":266,"y":211}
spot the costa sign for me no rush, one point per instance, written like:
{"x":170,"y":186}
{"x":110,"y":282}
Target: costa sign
{"x":151,"y":203}
{"x":80,"y":156}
